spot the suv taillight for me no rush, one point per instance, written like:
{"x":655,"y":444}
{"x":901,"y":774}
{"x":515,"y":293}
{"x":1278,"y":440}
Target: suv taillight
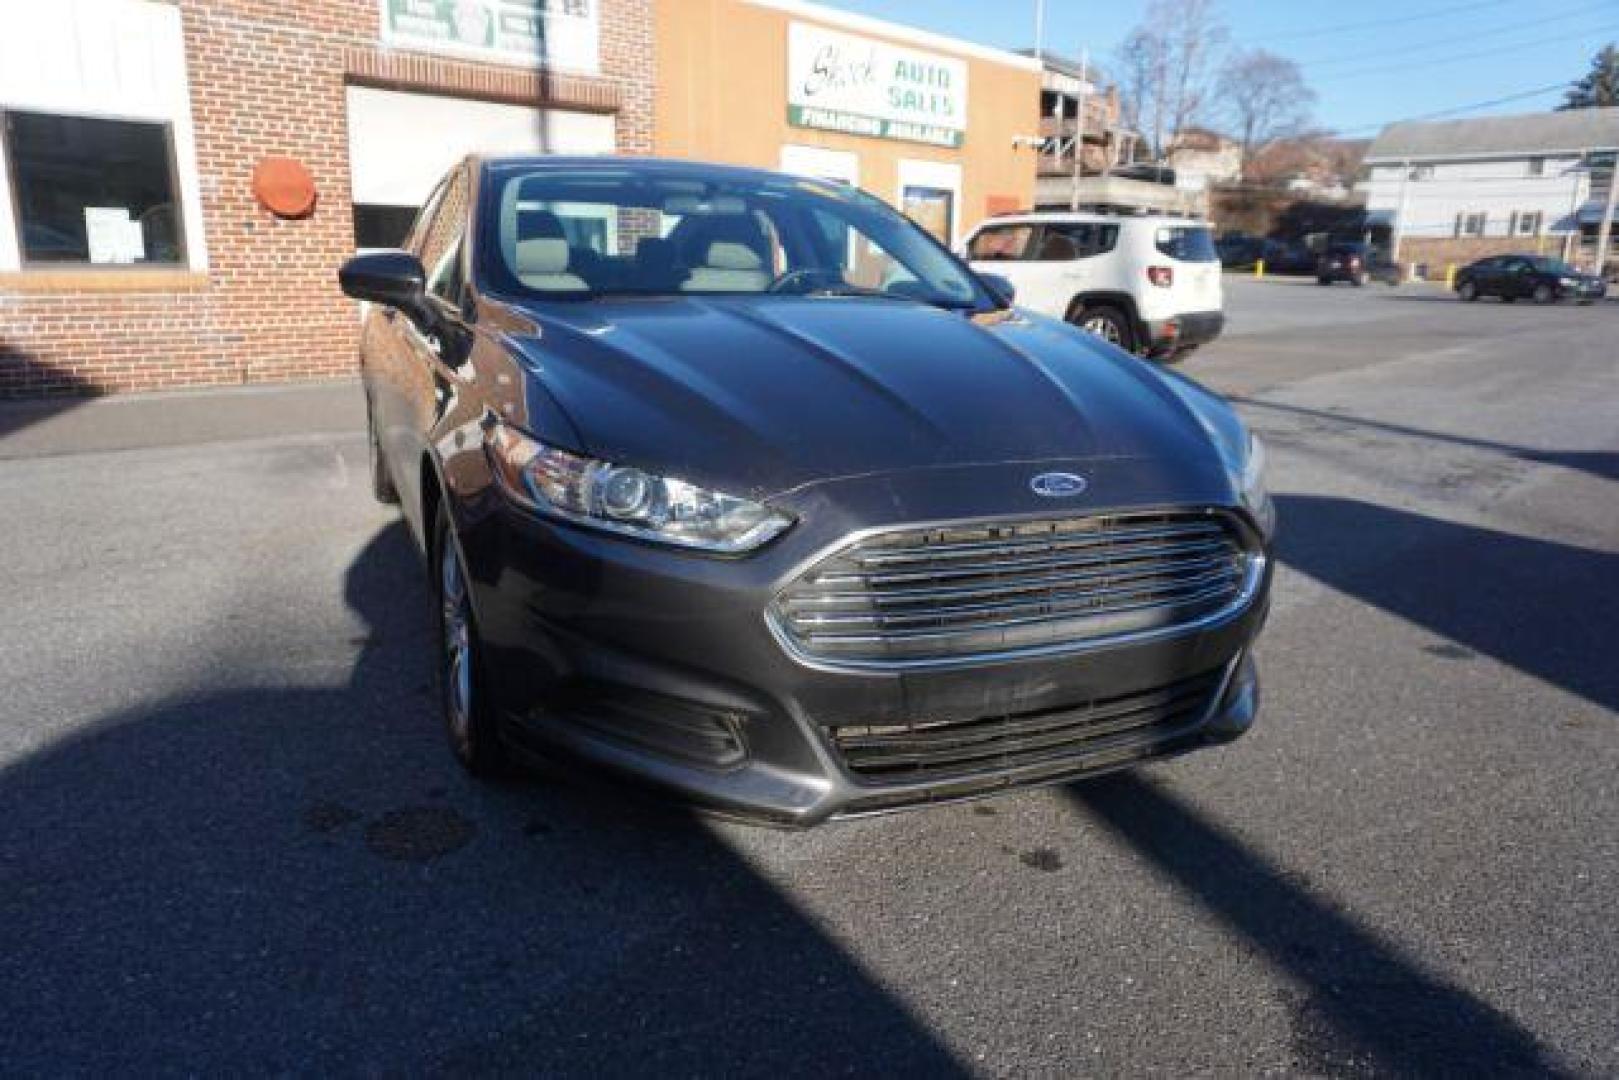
{"x":1161,"y":276}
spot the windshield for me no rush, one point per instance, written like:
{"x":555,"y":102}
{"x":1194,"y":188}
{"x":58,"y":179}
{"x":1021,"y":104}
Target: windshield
{"x":1552,"y":266}
{"x":1187,"y":244}
{"x":583,"y":232}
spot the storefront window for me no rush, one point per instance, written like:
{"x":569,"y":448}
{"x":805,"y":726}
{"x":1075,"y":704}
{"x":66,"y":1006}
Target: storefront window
{"x":93,"y":191}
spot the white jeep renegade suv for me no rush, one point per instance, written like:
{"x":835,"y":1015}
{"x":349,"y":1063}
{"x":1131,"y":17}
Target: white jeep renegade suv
{"x":1150,"y":285}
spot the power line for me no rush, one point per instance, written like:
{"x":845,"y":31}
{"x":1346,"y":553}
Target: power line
{"x":1456,"y":58}
{"x":1371,"y":24}
{"x":1457,"y":39}
{"x":1458,"y":110}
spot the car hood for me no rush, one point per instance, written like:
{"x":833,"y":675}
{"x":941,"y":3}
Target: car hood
{"x":762,"y":395}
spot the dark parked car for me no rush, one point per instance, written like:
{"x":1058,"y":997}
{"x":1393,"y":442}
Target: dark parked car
{"x":1358,"y":264}
{"x":741,"y":484}
{"x":1530,"y":277}
{"x":1239,"y":251}
{"x":1290,"y":257}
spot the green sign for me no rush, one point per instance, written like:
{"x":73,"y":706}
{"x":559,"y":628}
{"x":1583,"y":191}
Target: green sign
{"x":558,"y":33}
{"x":811,"y":116}
{"x":863,"y":86}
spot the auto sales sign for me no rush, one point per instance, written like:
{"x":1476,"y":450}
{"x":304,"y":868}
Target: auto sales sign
{"x":840,"y":82}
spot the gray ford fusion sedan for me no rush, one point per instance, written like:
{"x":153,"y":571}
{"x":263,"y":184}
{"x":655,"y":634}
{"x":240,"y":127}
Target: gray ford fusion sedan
{"x":741,"y":484}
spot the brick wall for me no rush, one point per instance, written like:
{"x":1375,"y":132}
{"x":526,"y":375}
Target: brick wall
{"x":267,"y":77}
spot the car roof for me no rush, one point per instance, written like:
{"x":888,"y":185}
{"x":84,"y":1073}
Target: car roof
{"x":1081,"y":217}
{"x":661,"y":166}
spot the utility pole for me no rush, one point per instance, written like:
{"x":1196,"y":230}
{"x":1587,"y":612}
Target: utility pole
{"x":1040,"y":29}
{"x":1399,"y":214}
{"x":1606,"y":227}
{"x":1079,"y":126}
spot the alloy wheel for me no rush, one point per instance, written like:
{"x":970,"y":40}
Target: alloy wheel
{"x":1103,"y":327}
{"x":456,"y":630}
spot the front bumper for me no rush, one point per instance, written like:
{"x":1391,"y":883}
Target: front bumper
{"x":1183,"y":331}
{"x":660,"y":665}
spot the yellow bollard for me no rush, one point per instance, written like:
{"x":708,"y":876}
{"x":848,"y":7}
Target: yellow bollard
{"x":1450,"y":275}
{"x":1259,"y":268}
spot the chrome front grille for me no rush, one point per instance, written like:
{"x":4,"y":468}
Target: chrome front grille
{"x":1066,"y":737}
{"x":937,"y":594}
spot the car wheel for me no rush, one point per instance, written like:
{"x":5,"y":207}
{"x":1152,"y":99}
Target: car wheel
{"x":1544,"y":294}
{"x":1323,"y":281}
{"x":468,"y":715}
{"x":1467,"y":291}
{"x":382,"y":482}
{"x":1362,"y":280}
{"x":1110,"y":325}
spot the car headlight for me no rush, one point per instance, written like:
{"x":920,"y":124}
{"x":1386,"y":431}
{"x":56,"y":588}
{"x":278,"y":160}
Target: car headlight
{"x":1251,"y":481}
{"x":1568,"y":282}
{"x":629,"y":501}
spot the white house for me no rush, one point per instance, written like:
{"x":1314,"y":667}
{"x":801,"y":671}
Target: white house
{"x":1458,"y":190}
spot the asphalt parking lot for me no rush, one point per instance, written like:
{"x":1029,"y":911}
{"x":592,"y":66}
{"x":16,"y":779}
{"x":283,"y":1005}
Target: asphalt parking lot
{"x":232,"y":839}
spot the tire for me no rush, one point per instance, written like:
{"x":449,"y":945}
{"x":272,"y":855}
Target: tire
{"x":1362,"y":280}
{"x":382,"y":481}
{"x":1467,"y":291}
{"x":1505,"y":299}
{"x":1110,"y":324}
{"x":1544,"y":294}
{"x":468,"y":714}
{"x":1323,"y":281}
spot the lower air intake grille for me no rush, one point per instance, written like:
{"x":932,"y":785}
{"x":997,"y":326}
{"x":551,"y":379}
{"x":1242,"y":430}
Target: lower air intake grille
{"x":923,"y":752}
{"x":920,"y":595}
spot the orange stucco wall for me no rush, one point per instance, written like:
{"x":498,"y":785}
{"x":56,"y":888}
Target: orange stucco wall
{"x":722,"y":96}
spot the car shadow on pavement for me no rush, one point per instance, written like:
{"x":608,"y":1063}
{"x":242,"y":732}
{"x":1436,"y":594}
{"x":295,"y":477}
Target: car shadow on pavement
{"x":1601,"y":464}
{"x":1459,"y":580}
{"x":49,"y":390}
{"x":1364,"y":1008}
{"x":299,"y":879}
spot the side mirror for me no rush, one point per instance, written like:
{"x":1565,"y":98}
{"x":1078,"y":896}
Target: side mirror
{"x":1000,"y":286}
{"x":393,"y":278}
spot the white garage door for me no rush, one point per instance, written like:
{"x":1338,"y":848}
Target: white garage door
{"x":400,"y":144}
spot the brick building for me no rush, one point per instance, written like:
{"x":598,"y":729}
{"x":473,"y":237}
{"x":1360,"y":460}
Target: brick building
{"x":137,"y":249}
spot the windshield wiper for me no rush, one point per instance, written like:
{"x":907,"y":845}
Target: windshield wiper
{"x":945,"y":302}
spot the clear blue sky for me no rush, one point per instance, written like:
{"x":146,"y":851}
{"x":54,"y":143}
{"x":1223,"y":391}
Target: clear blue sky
{"x":1431,"y":55}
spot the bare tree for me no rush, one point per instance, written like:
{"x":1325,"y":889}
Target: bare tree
{"x":1168,"y":64}
{"x":1265,"y":98}
{"x":1140,"y":66}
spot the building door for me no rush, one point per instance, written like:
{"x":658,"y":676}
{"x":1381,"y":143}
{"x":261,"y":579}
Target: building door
{"x":401,"y":144}
{"x":930,"y":195}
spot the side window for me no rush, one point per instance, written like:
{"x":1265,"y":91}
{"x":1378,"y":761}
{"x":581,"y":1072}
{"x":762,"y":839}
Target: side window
{"x":1065,"y":241}
{"x":441,"y":241}
{"x":1001,"y":243}
{"x":1058,"y":243}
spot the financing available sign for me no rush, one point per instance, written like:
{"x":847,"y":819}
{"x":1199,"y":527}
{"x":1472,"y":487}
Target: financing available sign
{"x":859,"y":86}
{"x":553,"y":33}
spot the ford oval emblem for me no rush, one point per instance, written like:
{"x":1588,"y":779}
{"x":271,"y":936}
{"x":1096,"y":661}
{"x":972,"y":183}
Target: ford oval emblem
{"x":1058,"y":485}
